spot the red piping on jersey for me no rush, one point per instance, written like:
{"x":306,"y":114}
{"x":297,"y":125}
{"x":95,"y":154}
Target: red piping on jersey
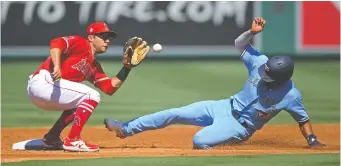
{"x":67,"y":89}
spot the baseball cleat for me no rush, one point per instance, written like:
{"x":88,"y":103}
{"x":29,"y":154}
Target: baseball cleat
{"x":79,"y":145}
{"x":114,"y":125}
{"x":52,"y":142}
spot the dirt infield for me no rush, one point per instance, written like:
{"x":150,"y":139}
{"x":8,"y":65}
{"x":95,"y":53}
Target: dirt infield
{"x":172,"y":141}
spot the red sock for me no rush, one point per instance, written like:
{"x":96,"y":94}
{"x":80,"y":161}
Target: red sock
{"x":82,"y":114}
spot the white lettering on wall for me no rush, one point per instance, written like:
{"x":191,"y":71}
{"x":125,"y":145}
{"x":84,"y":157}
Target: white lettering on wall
{"x":28,"y":11}
{"x":175,"y":9}
{"x":51,"y":16}
{"x":4,"y":10}
{"x":84,"y":11}
{"x":200,"y":11}
{"x":117,"y":9}
{"x":112,"y":11}
{"x":101,"y":10}
{"x":143,"y":11}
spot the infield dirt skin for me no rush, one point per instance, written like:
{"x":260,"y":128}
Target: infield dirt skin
{"x":172,"y":141}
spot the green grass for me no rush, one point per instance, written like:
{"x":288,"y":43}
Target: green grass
{"x":157,"y":85}
{"x":263,"y":160}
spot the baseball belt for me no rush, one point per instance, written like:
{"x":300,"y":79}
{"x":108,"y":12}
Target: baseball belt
{"x":237,"y":116}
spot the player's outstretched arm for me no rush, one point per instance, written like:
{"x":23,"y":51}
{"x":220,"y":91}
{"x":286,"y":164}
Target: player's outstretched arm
{"x":297,"y":110}
{"x":307,"y":132}
{"x":134,"y":51}
{"x":110,"y":85}
{"x":243,"y":41}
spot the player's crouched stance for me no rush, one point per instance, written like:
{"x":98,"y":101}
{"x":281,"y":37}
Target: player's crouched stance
{"x":267,"y":91}
{"x":56,"y":85}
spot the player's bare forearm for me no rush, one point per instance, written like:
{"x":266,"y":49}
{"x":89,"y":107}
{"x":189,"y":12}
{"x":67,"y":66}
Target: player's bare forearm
{"x":55,"y":56}
{"x":120,"y":77}
{"x":116,"y":83}
{"x":306,"y":129}
{"x":307,"y":132}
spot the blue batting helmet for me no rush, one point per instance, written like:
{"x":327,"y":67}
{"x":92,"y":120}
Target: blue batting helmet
{"x":277,"y":69}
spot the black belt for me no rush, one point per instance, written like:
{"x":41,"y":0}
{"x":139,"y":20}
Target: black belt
{"x":236,"y":115}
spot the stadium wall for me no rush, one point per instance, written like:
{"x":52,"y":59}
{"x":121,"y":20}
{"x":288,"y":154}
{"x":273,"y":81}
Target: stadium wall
{"x":185,"y":29}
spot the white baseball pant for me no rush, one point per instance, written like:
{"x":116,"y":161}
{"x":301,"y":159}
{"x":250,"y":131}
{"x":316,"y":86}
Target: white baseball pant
{"x":57,"y":96}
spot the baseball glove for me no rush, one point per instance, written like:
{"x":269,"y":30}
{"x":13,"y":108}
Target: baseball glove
{"x":134,"y":50}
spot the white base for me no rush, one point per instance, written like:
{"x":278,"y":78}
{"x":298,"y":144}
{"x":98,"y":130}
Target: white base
{"x":32,"y":144}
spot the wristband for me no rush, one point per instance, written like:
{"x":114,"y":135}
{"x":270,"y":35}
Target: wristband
{"x":311,"y":138}
{"x":123,"y":74}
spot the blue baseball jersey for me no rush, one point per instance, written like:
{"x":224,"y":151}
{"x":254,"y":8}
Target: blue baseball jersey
{"x":255,"y":103}
{"x":258,"y":104}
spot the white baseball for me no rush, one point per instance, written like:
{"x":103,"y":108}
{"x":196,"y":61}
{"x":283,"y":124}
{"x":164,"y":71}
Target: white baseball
{"x":157,"y":47}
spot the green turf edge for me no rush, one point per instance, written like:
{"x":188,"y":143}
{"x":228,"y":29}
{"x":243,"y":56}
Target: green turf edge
{"x":240,"y":160}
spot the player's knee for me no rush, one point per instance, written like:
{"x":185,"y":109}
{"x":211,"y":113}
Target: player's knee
{"x":199,"y":143}
{"x":94,"y":95}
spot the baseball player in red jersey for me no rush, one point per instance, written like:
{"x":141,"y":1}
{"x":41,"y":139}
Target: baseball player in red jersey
{"x":56,"y":85}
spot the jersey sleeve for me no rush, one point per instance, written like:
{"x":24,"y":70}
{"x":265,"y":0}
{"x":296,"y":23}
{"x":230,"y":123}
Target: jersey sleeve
{"x":251,"y":57}
{"x":66,"y":43}
{"x":99,"y":74}
{"x":297,"y":110}
{"x":102,"y":81}
{"x":262,"y":112}
{"x":259,"y":106}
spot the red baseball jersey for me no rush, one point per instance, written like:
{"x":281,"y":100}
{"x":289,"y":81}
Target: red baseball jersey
{"x":77,"y":60}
